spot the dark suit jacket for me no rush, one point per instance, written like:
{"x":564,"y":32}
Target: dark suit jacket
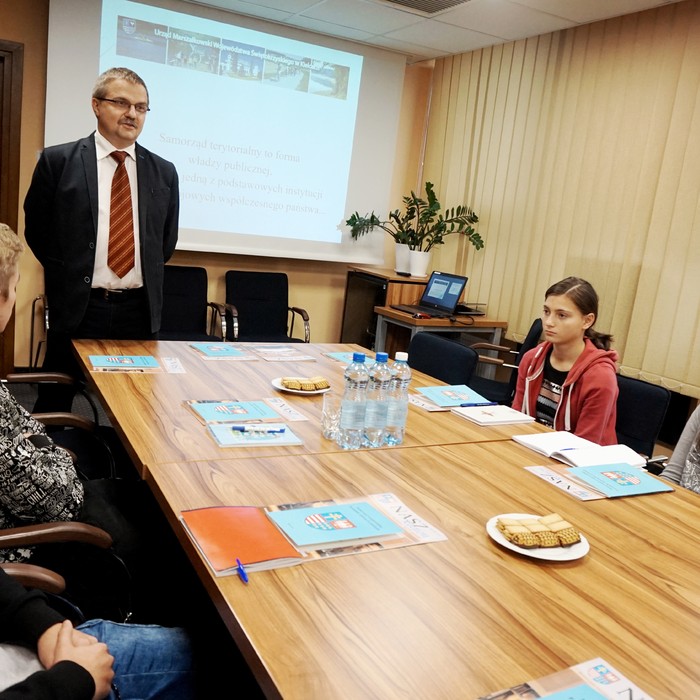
{"x":61,"y":226}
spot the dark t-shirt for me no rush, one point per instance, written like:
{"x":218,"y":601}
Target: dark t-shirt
{"x":550,"y":393}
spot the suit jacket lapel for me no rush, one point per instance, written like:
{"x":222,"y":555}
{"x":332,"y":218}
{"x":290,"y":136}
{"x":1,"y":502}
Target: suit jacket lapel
{"x":88,"y":153}
{"x":144,"y":196}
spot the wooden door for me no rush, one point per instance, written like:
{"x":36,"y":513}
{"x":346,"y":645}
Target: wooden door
{"x":11,"y":66}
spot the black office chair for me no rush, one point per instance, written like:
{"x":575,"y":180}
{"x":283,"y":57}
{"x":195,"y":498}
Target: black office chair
{"x":38,"y":328}
{"x":87,"y":541}
{"x":257,"y":308}
{"x":92,"y":445}
{"x":186,"y":306}
{"x":641,"y":409}
{"x":503,"y":391}
{"x":446,"y":360}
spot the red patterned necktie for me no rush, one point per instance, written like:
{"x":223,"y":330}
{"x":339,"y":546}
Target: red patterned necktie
{"x":120,"y":256}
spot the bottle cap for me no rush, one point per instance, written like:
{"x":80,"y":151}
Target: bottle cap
{"x":401,"y":356}
{"x":381,"y":357}
{"x":358,"y":357}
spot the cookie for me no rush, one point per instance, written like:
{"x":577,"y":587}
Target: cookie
{"x":526,"y":540}
{"x":291,"y":383}
{"x":551,"y":518}
{"x":548,"y":531}
{"x":320,"y":382}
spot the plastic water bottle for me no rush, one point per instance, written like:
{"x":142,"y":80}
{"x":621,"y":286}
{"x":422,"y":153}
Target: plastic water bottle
{"x":377,"y":401}
{"x":398,"y":400}
{"x":352,"y":410}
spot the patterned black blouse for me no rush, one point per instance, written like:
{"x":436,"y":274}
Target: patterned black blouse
{"x":38,"y":481}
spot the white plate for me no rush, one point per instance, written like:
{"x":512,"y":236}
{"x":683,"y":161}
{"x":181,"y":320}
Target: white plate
{"x":576,"y":551}
{"x":277,"y":383}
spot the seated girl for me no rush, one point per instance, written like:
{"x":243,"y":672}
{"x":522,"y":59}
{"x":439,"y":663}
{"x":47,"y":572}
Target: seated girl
{"x":568,"y":382}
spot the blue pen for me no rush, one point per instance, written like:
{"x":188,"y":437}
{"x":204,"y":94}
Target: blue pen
{"x":242,"y":573}
{"x":483,"y":403}
{"x":257,"y":429}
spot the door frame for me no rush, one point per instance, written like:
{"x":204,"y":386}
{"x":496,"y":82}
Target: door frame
{"x":11,"y":73}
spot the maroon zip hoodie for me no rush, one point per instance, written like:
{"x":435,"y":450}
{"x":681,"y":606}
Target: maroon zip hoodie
{"x":588,"y":404}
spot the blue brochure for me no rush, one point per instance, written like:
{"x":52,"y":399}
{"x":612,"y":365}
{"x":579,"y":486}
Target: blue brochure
{"x":344,"y":357}
{"x":580,"y":692}
{"x":347,"y":523}
{"x":252,"y":435}
{"x":124,"y":363}
{"x":232,"y":411}
{"x":221,"y":351}
{"x":615,"y":480}
{"x":454,"y":395}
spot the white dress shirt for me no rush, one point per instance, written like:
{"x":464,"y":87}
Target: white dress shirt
{"x":103,"y":276}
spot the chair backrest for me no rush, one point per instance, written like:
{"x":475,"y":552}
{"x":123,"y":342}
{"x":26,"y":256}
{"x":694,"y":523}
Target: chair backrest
{"x":185,"y":295}
{"x":446,"y":360}
{"x":262,"y":302}
{"x":530,"y":341}
{"x":641,"y":409}
{"x":502,"y":389}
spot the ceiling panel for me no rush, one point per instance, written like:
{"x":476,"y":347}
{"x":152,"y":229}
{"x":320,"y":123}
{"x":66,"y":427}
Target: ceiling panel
{"x":469,"y":25}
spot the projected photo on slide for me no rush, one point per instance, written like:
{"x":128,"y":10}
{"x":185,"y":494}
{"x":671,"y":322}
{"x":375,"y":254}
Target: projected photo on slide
{"x":248,"y":158}
{"x":271,"y":131}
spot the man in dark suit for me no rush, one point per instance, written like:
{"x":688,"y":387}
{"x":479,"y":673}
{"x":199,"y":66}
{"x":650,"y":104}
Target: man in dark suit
{"x":93,"y":292}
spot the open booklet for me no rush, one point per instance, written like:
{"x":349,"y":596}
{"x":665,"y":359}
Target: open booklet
{"x":256,"y":534}
{"x":492,"y":415}
{"x":577,"y":451}
{"x":591,"y":680}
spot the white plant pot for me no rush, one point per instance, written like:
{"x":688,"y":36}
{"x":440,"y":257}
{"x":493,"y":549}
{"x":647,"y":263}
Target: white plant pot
{"x":419,"y":261}
{"x":401,"y":263}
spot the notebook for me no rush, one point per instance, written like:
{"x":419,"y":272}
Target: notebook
{"x":440,"y":296}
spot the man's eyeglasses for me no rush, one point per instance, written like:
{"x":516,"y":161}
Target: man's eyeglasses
{"x":140,"y":107}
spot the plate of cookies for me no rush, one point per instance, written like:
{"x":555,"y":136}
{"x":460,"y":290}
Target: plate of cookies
{"x":302,"y":385}
{"x":539,"y":536}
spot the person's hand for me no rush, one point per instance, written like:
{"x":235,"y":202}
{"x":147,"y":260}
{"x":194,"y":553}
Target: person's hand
{"x":62,"y":642}
{"x":46,"y":645}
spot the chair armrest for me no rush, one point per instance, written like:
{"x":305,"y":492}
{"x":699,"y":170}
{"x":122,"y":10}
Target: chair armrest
{"x":218,"y":313}
{"x":39,"y":378}
{"x":305,"y":317}
{"x":68,"y":420}
{"x":42,"y":533}
{"x":491,"y":346}
{"x":54,"y":378}
{"x":488,"y":360}
{"x":300,"y":311}
{"x":656,"y":464}
{"x":231,"y":309}
{"x":33,"y":576}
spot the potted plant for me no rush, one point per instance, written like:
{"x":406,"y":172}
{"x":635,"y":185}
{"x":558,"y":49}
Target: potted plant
{"x":420,"y":226}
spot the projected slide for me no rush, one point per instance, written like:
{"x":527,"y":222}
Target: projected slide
{"x":260,"y":127}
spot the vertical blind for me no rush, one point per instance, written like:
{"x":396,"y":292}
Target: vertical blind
{"x":580,"y":152}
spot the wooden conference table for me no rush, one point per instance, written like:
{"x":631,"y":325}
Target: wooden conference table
{"x":452,"y":619}
{"x":148,"y":409}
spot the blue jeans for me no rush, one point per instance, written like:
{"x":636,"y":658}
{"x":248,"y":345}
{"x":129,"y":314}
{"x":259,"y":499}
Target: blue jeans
{"x":149,"y":661}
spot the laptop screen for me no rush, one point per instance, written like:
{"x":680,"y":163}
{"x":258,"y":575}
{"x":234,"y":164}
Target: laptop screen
{"x":443,"y":291}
